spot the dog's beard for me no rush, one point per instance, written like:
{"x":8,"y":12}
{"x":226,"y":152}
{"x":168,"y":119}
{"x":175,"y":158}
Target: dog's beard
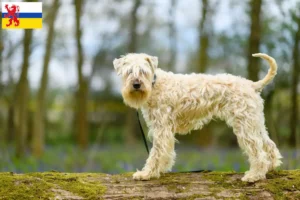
{"x":135,"y":98}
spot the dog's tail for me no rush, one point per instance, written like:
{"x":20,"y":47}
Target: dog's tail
{"x":259,"y":85}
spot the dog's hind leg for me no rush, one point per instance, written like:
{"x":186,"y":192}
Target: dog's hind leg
{"x":162,"y":154}
{"x":271,"y":149}
{"x":248,"y":132}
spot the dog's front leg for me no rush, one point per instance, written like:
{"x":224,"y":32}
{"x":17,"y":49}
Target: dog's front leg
{"x":161,"y":157}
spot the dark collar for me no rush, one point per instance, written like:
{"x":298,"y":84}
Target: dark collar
{"x":154,"y":80}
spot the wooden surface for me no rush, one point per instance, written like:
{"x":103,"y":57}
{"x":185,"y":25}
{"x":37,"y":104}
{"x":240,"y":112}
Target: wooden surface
{"x":204,"y":185}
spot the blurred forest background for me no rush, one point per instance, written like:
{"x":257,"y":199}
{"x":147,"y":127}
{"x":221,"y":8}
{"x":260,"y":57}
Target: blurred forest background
{"x":60,"y":102}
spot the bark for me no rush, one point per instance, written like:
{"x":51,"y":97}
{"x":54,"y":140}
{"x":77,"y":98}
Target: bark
{"x":254,"y":39}
{"x":21,"y":98}
{"x":82,"y":92}
{"x":206,"y":136}
{"x":131,"y":125}
{"x":212,"y":185}
{"x":10,"y":129}
{"x":203,"y":39}
{"x":294,"y":90}
{"x":133,"y":28}
{"x":172,"y":35}
{"x":39,"y":115}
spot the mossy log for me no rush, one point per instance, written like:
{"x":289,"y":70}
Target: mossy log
{"x":204,"y":185}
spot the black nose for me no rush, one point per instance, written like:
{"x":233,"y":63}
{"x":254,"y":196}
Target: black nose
{"x":136,"y":85}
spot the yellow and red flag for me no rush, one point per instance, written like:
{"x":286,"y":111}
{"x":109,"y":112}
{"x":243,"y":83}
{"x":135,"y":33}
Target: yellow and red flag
{"x":22,"y":15}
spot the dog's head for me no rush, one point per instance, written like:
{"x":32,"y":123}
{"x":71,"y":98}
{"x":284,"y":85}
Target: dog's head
{"x":137,"y":71}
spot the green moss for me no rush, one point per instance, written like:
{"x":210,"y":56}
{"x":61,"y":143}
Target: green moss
{"x":275,"y":183}
{"x":15,"y":186}
{"x":41,"y":185}
{"x":222,"y":179}
{"x":78,"y":184}
{"x":173,"y":183}
{"x":222,"y":182}
{"x":277,"y":186}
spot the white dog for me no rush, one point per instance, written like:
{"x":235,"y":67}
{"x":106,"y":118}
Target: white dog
{"x":178,"y":103}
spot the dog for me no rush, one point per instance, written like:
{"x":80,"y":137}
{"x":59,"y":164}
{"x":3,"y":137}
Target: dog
{"x":178,"y":103}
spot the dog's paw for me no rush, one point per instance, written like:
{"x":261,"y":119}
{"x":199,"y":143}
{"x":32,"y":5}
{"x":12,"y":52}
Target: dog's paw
{"x":141,"y":175}
{"x":251,"y":177}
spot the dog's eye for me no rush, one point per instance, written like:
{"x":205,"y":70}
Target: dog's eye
{"x":129,"y":72}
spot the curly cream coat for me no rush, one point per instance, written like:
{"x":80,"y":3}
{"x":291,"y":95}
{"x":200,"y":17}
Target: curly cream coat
{"x":179,"y":103}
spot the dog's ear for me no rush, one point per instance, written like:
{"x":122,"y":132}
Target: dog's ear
{"x":153,"y":61}
{"x":117,"y":64}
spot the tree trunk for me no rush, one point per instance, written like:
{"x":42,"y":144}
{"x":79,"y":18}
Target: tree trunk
{"x":172,"y":35}
{"x":206,"y":135}
{"x":203,"y":39}
{"x":295,"y":81}
{"x":254,"y":39}
{"x":10,"y":128}
{"x":131,"y":126}
{"x":21,"y":98}
{"x":212,"y":185}
{"x":39,"y":115}
{"x":82,"y":115}
{"x":134,"y":23}
{"x":82,"y":92}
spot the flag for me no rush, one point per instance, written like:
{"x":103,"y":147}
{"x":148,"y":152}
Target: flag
{"x":22,"y":15}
